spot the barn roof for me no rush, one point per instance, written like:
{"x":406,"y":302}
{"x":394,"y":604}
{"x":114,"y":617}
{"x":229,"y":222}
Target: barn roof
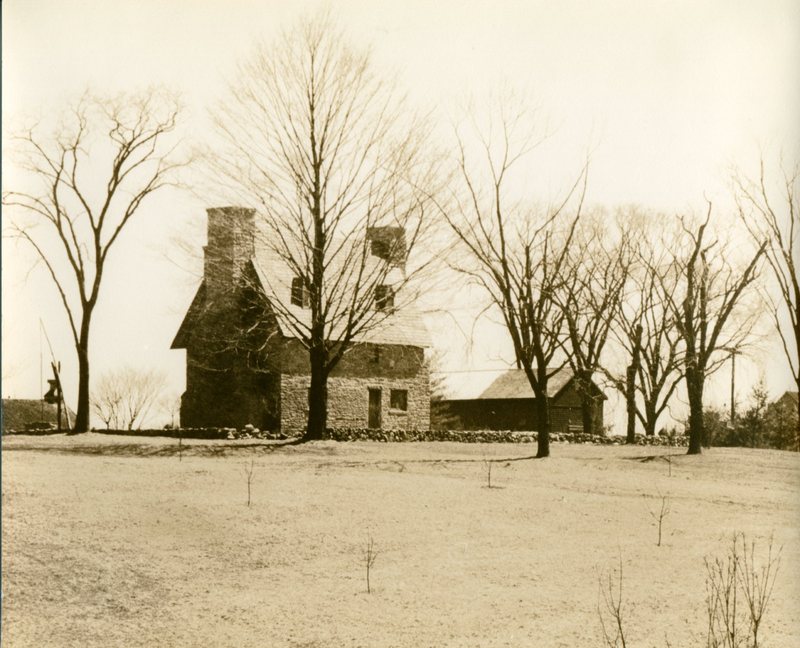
{"x":498,"y":384}
{"x":514,"y":384}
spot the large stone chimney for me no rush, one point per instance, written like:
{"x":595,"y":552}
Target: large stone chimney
{"x":231,"y":232}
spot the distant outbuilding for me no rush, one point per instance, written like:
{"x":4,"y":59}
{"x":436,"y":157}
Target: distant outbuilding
{"x":508,"y":403}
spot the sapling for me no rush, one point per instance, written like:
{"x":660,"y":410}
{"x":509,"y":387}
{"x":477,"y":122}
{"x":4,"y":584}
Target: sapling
{"x":369,"y":555}
{"x":249,"y":469}
{"x":659,"y":517}
{"x":611,"y":596}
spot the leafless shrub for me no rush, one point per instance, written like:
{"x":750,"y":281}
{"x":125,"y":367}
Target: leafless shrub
{"x":369,"y":556}
{"x":610,"y":609}
{"x":124,"y":397}
{"x":738,"y":592}
{"x":660,"y":515}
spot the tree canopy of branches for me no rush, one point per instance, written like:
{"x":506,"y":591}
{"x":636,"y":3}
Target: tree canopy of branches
{"x":89,"y":179}
{"x":124,"y":397}
{"x":776,"y":220}
{"x":517,"y":255}
{"x":326,"y":150}
{"x":703,"y":304}
{"x":644,"y":327}
{"x":595,"y":275}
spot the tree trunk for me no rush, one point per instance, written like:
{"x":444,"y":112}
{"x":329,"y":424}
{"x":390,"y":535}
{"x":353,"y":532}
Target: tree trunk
{"x":650,"y":419}
{"x":630,"y":385}
{"x":630,"y":404}
{"x":82,"y":413}
{"x":587,"y":403}
{"x":694,"y":388}
{"x":544,"y":424}
{"x":317,"y":399}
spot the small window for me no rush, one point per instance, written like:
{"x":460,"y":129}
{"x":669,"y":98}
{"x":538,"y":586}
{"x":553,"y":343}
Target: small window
{"x":376,"y":355}
{"x":384,"y":298}
{"x":380,"y":248}
{"x":398,"y":399}
{"x":300,"y":294}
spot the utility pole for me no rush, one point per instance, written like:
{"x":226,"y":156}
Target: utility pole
{"x":733,"y":353}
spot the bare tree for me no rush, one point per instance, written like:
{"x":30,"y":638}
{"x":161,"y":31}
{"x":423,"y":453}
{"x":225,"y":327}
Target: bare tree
{"x":595,"y":276}
{"x":91,"y":178}
{"x":331,"y":157}
{"x":611,"y":594}
{"x":123,"y":398}
{"x":776,"y":219}
{"x":644,"y":328}
{"x":703,"y":305}
{"x":517,"y":255}
{"x":663,"y":512}
{"x":369,"y":555}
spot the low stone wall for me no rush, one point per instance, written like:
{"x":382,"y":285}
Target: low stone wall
{"x":395,"y":436}
{"x":200,"y":433}
{"x":492,"y":436}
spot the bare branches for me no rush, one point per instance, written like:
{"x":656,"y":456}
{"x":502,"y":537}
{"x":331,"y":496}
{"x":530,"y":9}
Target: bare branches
{"x":123,"y":398}
{"x":86,"y":182}
{"x":328,"y":153}
{"x":732,"y":621}
{"x":771,"y":213}
{"x":611,"y":596}
{"x":369,"y":555}
{"x":518,"y":256}
{"x":710,"y":287}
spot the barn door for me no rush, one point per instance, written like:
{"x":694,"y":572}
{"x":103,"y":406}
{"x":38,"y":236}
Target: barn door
{"x":374,"y":418}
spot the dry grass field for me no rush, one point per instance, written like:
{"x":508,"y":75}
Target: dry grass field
{"x":114,"y":542}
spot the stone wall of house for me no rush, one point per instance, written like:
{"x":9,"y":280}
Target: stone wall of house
{"x":348,"y":401}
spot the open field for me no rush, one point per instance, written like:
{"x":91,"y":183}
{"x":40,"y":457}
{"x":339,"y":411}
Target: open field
{"x":114,"y":542}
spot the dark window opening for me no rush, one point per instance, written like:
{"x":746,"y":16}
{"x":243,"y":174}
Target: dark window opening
{"x":376,"y":355}
{"x":380,"y":248}
{"x":384,"y":298}
{"x":300,"y":293}
{"x":398,"y":399}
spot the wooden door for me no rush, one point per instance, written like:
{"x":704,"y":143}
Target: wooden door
{"x":374,"y":416}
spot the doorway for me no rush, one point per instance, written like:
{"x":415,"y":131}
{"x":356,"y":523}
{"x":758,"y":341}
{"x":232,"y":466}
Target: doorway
{"x":374,"y":415}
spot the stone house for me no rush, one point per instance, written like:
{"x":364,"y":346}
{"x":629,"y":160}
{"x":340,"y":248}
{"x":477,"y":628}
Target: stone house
{"x":245,"y":363}
{"x":508,"y":403}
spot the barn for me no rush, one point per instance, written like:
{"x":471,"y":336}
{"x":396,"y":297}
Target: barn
{"x":508,"y":403}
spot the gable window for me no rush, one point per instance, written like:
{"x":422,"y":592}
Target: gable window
{"x":300,"y":294}
{"x":398,"y":399}
{"x":380,"y":248}
{"x":384,"y":298}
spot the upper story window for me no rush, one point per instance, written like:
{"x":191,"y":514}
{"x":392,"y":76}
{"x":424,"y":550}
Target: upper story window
{"x":380,"y":248}
{"x":384,"y":298}
{"x":300,"y":293}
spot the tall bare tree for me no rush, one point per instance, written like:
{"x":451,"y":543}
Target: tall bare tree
{"x":517,"y":255}
{"x":776,"y":219}
{"x":327,"y":151}
{"x":89,"y":180}
{"x":644,"y":326}
{"x":595,"y":276}
{"x":703,"y":305}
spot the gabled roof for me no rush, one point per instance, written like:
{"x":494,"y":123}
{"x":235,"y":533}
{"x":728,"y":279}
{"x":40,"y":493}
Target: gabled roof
{"x":514,"y":384}
{"x":404,"y":326}
{"x":506,"y":384}
{"x":182,"y":336}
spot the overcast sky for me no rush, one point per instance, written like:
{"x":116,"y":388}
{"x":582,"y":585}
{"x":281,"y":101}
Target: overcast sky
{"x":668,"y":95}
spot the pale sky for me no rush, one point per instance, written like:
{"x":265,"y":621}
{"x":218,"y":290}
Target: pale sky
{"x":668,"y":95}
